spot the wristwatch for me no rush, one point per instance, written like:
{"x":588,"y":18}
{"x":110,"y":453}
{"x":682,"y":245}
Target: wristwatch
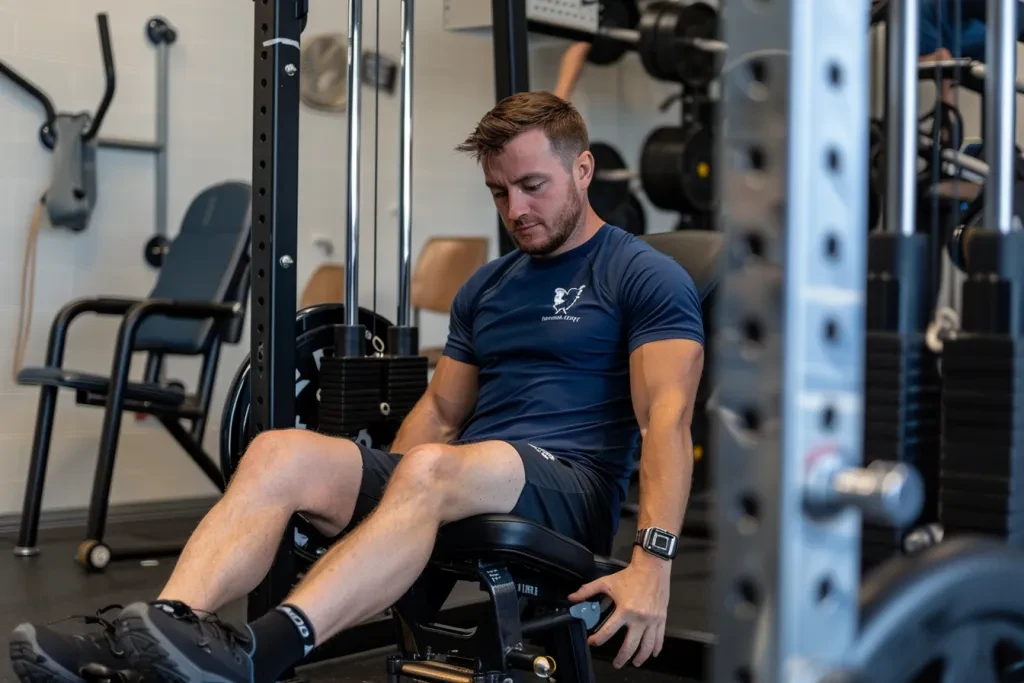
{"x":657,"y":542}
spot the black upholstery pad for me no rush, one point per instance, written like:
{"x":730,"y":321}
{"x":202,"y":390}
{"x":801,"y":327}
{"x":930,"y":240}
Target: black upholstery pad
{"x":520,"y":541}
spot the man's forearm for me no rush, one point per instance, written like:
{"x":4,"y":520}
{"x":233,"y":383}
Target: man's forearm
{"x":423,"y":425}
{"x":666,"y":469}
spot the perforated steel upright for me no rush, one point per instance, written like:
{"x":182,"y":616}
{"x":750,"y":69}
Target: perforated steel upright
{"x":789,"y":336}
{"x":275,"y":208}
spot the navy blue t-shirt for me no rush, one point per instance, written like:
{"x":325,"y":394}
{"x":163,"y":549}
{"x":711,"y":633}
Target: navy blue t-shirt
{"x":552,"y":337}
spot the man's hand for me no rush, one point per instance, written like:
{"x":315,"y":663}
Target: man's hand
{"x":640,"y":593}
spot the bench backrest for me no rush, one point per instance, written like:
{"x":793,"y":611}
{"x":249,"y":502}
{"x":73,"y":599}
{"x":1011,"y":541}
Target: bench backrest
{"x":207,"y":261}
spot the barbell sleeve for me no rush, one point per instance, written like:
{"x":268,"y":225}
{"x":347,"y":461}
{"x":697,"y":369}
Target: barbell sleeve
{"x":631,"y":37}
{"x":618,"y":175}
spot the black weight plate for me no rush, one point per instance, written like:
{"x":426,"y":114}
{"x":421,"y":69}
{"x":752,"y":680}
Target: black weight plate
{"x":956,"y":607}
{"x":697,"y":67}
{"x":314,"y":339}
{"x":697,"y":168}
{"x":607,"y":196}
{"x":630,"y":216}
{"x":614,"y":14}
{"x":972,"y":482}
{"x":663,"y":170}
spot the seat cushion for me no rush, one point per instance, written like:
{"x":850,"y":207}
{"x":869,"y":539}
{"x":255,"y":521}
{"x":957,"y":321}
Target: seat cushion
{"x":519,"y":541}
{"x":97,"y":384}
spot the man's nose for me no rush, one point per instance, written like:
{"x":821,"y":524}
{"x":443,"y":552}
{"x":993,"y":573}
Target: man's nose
{"x":517,"y":204}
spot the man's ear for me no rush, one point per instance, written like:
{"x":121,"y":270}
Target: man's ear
{"x":584,"y":169}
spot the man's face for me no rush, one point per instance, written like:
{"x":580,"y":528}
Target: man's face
{"x":540,"y":201}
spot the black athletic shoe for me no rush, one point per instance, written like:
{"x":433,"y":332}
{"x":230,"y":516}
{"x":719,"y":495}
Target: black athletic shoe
{"x":40,"y":654}
{"x":168,"y":642}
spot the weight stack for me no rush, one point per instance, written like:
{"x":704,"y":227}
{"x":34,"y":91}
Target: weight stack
{"x":404,"y":381}
{"x":901,"y":381}
{"x":982,"y":474}
{"x":350,"y":394}
{"x":901,"y":423}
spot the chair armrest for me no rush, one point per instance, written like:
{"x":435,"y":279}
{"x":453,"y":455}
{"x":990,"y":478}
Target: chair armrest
{"x":101,"y":305}
{"x":172,"y":308}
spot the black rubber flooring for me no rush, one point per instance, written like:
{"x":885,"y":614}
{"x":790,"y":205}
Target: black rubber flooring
{"x":51,"y":587}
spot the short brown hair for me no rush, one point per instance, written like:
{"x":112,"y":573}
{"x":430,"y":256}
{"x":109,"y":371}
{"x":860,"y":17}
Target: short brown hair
{"x":516,"y":114}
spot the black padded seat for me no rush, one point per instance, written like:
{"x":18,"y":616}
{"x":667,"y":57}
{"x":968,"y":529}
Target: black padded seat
{"x":697,"y":251}
{"x":523,"y":542}
{"x":163,"y":395}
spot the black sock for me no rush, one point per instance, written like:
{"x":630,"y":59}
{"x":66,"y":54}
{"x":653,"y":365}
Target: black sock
{"x":281,"y":638}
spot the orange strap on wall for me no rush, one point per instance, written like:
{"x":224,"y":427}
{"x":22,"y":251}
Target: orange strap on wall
{"x":28,"y":282}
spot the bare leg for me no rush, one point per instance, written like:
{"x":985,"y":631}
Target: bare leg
{"x":282,"y":472}
{"x":373,"y":566}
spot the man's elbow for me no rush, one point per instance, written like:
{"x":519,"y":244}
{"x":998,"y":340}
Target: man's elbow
{"x":672,"y":411}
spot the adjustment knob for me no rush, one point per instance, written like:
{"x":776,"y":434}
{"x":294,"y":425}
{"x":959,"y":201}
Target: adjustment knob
{"x":543,"y":666}
{"x":886,"y":492}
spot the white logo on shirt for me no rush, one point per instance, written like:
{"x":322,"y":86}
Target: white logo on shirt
{"x":542,"y":452}
{"x":567,"y":298}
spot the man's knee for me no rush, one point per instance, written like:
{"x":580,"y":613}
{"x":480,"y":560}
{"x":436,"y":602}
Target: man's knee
{"x":426,"y":467}
{"x":293,"y":456}
{"x":460,"y":480}
{"x":270,"y":449}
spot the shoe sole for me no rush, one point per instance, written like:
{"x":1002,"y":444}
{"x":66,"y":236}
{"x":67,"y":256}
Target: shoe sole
{"x":154,"y":656}
{"x":32,"y":664}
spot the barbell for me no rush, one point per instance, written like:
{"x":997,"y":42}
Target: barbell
{"x":676,"y":42}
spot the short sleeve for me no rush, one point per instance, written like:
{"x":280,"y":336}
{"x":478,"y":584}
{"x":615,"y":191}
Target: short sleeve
{"x":660,"y":301}
{"x":460,"y":327}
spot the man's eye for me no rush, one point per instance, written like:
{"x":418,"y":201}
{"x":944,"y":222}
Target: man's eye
{"x":533,"y":188}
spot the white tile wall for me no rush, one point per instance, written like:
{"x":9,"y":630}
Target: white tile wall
{"x":55,"y":44}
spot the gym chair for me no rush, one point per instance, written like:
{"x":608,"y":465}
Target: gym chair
{"x":527,"y":571}
{"x":444,"y":265}
{"x":197,"y":304}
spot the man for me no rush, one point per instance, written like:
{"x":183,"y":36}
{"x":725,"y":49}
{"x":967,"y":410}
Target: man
{"x":561,"y":355}
{"x":958,"y":28}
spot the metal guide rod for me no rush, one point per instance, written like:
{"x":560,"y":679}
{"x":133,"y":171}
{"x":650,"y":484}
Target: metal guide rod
{"x":1000,"y":112}
{"x":901,"y":117}
{"x":405,"y":171}
{"x":355,"y":31}
{"x":162,"y":102}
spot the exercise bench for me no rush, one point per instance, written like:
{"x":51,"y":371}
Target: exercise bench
{"x":197,"y":305}
{"x":531,"y":629}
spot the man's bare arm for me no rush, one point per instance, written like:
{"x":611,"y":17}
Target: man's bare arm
{"x":442,"y":409}
{"x":570,"y":68}
{"x":663,"y":377}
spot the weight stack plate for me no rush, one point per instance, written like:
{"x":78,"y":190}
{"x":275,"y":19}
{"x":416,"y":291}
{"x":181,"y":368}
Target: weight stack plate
{"x":404,"y":381}
{"x":350,"y":394}
{"x":901,"y":423}
{"x":982,"y":467}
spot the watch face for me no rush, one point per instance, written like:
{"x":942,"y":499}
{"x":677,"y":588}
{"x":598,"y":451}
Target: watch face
{"x":661,"y":542}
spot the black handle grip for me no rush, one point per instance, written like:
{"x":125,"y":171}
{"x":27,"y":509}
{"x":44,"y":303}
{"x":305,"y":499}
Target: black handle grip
{"x":108,"y":66}
{"x":33,"y":90}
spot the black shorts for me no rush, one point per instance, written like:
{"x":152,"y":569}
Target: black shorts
{"x":561,"y":495}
